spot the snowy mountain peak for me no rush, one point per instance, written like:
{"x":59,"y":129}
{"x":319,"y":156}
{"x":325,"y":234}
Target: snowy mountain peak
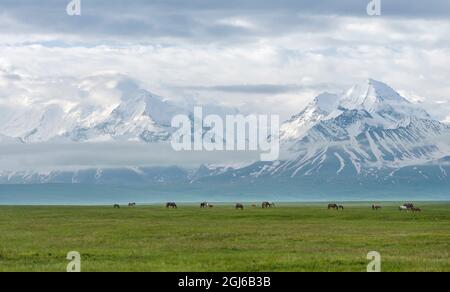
{"x":326,"y":102}
{"x":140,"y":116}
{"x":371,"y":126}
{"x":317,"y":110}
{"x":137,"y":103}
{"x":384,"y":91}
{"x":146,"y":105}
{"x":129,"y":113}
{"x":378,"y":98}
{"x":110,"y":108}
{"x":369,"y":95}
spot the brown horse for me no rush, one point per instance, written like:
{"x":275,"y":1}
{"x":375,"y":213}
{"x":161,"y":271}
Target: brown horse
{"x":416,"y":210}
{"x":376,"y":207}
{"x":266,"y":205}
{"x":341,"y":207}
{"x":239,"y":207}
{"x":409,"y":206}
{"x":333,"y":206}
{"x":171,"y":205}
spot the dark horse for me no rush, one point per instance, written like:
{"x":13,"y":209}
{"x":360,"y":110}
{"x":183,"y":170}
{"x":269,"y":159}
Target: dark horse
{"x":204,"y":205}
{"x":341,"y":207}
{"x":116,"y":206}
{"x":376,"y":207}
{"x":333,"y":206}
{"x":409,"y":206}
{"x":171,"y":205}
{"x":266,"y":205}
{"x":239,"y":207}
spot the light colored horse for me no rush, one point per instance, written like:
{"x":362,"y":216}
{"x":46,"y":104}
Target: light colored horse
{"x":403,"y":208}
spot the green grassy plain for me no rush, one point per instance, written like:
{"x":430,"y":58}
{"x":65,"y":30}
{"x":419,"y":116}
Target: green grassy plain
{"x":287,"y":238}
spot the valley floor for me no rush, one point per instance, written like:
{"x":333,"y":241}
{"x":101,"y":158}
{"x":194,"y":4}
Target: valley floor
{"x":293,"y":237}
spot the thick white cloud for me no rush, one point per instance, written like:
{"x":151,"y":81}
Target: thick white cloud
{"x":267,"y":57}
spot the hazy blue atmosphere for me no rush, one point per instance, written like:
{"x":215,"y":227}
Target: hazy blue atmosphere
{"x":78,"y":194}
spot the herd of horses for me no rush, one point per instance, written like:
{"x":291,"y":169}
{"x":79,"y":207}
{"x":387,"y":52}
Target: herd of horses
{"x":335,"y":207}
{"x":131,"y":205}
{"x":264,"y":205}
{"x":405,"y":207}
{"x":408,"y":207}
{"x":204,"y":205}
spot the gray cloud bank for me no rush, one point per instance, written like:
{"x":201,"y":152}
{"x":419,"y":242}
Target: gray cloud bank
{"x":198,"y":20}
{"x":47,"y":157}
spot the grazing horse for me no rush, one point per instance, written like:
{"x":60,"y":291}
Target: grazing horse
{"x":409,"y":206}
{"x":210,"y":206}
{"x":171,"y":205}
{"x":403,"y":208}
{"x":132,"y":205}
{"x":416,"y":209}
{"x":116,"y":206}
{"x":266,"y":205}
{"x":204,"y":205}
{"x":341,"y":207}
{"x":333,"y":206}
{"x":376,"y":207}
{"x":239,"y":207}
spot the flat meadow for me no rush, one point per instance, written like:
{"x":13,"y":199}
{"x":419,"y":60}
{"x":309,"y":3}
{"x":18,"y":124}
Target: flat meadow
{"x":289,"y":237}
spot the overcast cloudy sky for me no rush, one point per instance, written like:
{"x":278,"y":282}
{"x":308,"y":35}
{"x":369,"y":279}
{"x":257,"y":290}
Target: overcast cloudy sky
{"x":253,"y":54}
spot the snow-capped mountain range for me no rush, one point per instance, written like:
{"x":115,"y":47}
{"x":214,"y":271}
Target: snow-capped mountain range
{"x":369,"y":126}
{"x":368,"y":142}
{"x":139,"y":116}
{"x":368,"y":134}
